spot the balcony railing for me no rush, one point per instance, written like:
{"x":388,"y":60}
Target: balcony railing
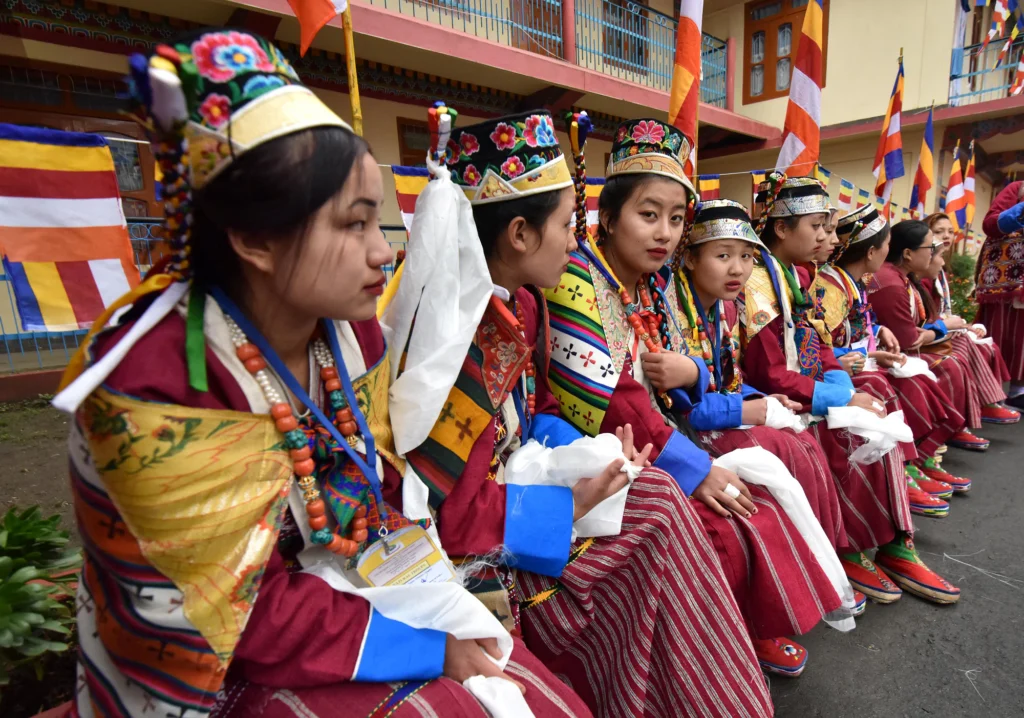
{"x":973,"y":77}
{"x":619,"y":38}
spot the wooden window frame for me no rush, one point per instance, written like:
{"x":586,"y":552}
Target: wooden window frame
{"x":405,"y":153}
{"x":770,"y":27}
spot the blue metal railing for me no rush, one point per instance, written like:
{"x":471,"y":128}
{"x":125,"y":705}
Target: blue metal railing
{"x":534,"y":25}
{"x":631,"y":41}
{"x":23,"y":350}
{"x":973,"y":76}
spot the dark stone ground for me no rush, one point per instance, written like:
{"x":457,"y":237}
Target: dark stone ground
{"x":913,"y":658}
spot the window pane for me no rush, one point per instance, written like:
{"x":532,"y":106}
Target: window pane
{"x":785,"y":40}
{"x":126,"y":165}
{"x":782,"y":74}
{"x":757,"y":47}
{"x":760,"y":13}
{"x":756,"y":80}
{"x":799,"y":3}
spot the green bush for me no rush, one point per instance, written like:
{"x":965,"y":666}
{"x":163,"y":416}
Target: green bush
{"x":961,"y":285}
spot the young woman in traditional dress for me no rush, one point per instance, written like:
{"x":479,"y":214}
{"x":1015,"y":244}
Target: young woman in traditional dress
{"x":903,"y":306}
{"x":1000,"y":282}
{"x":984,"y":358}
{"x":782,"y":352}
{"x":232,"y":452}
{"x":618,"y":358}
{"x":638,"y":623}
{"x":853,"y":332}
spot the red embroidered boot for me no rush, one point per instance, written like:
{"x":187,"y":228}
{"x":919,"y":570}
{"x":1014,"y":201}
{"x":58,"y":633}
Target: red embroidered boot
{"x":927,"y":484}
{"x":780,"y":656}
{"x":868,"y":579}
{"x":996,"y":414}
{"x":900,"y":560}
{"x":964,"y":439}
{"x":932,"y":468}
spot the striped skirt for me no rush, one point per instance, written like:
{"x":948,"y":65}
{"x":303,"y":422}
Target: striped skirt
{"x":873,"y":497}
{"x":1005,"y":324}
{"x":546,"y":695}
{"x":643,"y":623}
{"x":957,"y":384}
{"x":987,"y":367}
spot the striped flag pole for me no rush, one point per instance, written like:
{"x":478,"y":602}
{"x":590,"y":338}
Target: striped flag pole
{"x":924,"y":179}
{"x":956,"y":202}
{"x":801,"y":135}
{"x":889,"y":156}
{"x":684,"y":97}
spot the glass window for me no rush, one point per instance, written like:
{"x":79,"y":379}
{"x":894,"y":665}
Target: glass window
{"x":756,"y":80}
{"x":765,"y":11}
{"x":797,"y":4}
{"x":782,"y":74}
{"x":757,"y":47}
{"x":413,"y":142}
{"x":127,"y":164}
{"x":785,"y":37}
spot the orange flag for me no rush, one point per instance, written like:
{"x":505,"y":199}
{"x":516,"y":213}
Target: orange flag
{"x":682,"y":103}
{"x":313,"y":15}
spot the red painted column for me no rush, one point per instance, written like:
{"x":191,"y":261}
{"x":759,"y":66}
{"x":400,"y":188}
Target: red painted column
{"x":569,"y":30}
{"x":730,"y":72}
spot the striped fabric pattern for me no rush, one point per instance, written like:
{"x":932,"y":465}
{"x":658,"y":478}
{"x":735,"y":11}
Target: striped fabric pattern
{"x":822,"y":175}
{"x":889,"y":156}
{"x":845,"y":195}
{"x":924,"y":179}
{"x":594,"y":187}
{"x":969,"y":195}
{"x":409,"y":182}
{"x":863,"y":197}
{"x":686,"y":73}
{"x":801,"y":133}
{"x":63,"y":234}
{"x":956,"y":201}
{"x":709,"y":187}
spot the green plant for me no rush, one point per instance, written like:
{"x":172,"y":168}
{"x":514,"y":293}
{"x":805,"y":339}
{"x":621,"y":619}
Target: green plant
{"x":28,"y":539}
{"x":30,"y":615}
{"x":961,"y":285}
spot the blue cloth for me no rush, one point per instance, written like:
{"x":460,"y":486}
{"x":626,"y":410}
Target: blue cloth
{"x":1011,"y":220}
{"x":684,"y":400}
{"x":839,"y":351}
{"x":553,"y":431}
{"x":394,"y":651}
{"x":749,"y":392}
{"x":939,"y":327}
{"x":836,"y":390}
{"x":718,"y":411}
{"x":538,"y":527}
{"x":685,"y":462}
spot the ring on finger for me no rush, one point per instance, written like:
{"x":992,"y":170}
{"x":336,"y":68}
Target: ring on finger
{"x":731,"y":491}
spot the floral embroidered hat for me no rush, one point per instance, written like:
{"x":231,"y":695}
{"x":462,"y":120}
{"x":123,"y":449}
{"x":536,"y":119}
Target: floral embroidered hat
{"x":508,"y":158}
{"x":225,"y":91}
{"x":650,"y":147}
{"x":721,"y":219}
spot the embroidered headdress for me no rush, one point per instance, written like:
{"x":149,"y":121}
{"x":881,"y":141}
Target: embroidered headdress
{"x":650,"y":147}
{"x":793,"y":197}
{"x":722,"y":219}
{"x":860,"y":225}
{"x":508,"y":158}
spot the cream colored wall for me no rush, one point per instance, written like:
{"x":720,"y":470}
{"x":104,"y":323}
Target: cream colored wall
{"x":865,"y":37}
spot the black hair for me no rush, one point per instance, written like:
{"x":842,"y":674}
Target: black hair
{"x":859,"y":250}
{"x":768,"y":235}
{"x":272,"y":191}
{"x":910,"y":234}
{"x":494,"y":218}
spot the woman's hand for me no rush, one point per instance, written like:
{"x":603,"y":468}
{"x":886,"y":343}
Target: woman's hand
{"x":464,"y":659}
{"x":979,"y":330}
{"x":589,"y":492}
{"x":887,"y":340}
{"x":625,"y":435}
{"x":955,"y":322}
{"x":755,"y":412}
{"x":852,"y":362}
{"x":712,"y":493}
{"x":669,"y":370}
{"x":924,"y":336}
{"x":793,"y":406}
{"x":888,"y":359}
{"x":866,"y":401}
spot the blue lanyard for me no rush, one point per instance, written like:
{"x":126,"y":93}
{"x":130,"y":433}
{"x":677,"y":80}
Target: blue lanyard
{"x":714,"y":331}
{"x":271,"y":357}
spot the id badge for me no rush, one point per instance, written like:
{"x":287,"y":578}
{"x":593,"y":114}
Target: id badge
{"x":409,"y":556}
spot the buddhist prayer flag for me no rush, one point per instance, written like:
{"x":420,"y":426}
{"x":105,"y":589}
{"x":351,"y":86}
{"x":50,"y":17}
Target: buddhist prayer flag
{"x":63,"y":235}
{"x":889,"y":156}
{"x":594,"y":187}
{"x":801,"y":133}
{"x":409,"y":182}
{"x":924,"y":180}
{"x":863,"y":197}
{"x":845,"y":194}
{"x":969,"y":198}
{"x":956,"y":202}
{"x":756,"y":178}
{"x":1017,"y":27}
{"x":685,"y":94}
{"x":1000,"y":14}
{"x":1018,"y":78}
{"x":313,"y":15}
{"x":822,"y":175}
{"x":709,"y":187}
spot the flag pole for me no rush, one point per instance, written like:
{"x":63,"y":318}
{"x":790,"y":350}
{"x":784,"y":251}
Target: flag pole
{"x":353,"y":78}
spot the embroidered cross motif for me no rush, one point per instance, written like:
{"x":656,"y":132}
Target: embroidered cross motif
{"x":555,"y":290}
{"x":574,"y":411}
{"x":175,"y":602}
{"x":161,"y":652}
{"x":606,"y":370}
{"x":149,"y":704}
{"x":569,"y":351}
{"x":86,"y":602}
{"x":112,"y":527}
{"x":575,"y":293}
{"x":588,"y":359}
{"x":591,"y":302}
{"x":447,"y":413}
{"x":465,"y":427}
{"x":554,"y":344}
{"x":589,"y":418}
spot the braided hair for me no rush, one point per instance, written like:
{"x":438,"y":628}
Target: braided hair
{"x":660,"y":309}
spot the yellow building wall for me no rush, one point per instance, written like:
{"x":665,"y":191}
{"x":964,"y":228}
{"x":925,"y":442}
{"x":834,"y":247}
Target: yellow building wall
{"x":864,"y":41}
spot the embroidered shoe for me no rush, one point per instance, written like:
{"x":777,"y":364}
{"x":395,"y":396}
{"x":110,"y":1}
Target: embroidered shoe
{"x":900,"y":560}
{"x":927,"y":484}
{"x":964,"y":439}
{"x":867,"y":578}
{"x":780,"y":656}
{"x":932,"y":468}
{"x":996,"y":414}
{"x":924,"y":504}
{"x":861,"y":604}
{"x":942,"y":449}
